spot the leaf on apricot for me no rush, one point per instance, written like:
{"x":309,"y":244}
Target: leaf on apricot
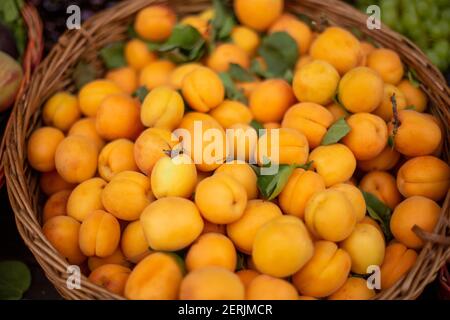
{"x":240,"y":74}
{"x":336,"y":132}
{"x":222,"y":23}
{"x":113,"y":55}
{"x":412,"y":77}
{"x":380,"y":212}
{"x":83,"y":74}
{"x":141,"y":93}
{"x":231,"y":91}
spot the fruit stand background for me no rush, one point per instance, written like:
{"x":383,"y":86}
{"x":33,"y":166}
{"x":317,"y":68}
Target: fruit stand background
{"x":53,"y":13}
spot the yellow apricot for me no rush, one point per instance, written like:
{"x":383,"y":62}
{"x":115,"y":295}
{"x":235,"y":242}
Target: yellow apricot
{"x":126,"y":78}
{"x":85,"y":127}
{"x":258,"y":14}
{"x":56,"y":205}
{"x":398,"y":260}
{"x":76,"y":159}
{"x":272,"y":125}
{"x":246,"y":39}
{"x":386,"y":160}
{"x":355,"y":196}
{"x":61,"y":111}
{"x":247,"y":87}
{"x":162,"y":108}
{"x":325,"y":272}
{"x":246,"y":276}
{"x":230,"y":112}
{"x":51,"y":183}
{"x":156,"y":74}
{"x":299,"y":188}
{"x":361,"y":90}
{"x":92,"y":94}
{"x":171,"y":223}
{"x":311,"y":119}
{"x":225,"y":54}
{"x":303,"y":61}
{"x":330,"y":215}
{"x":243,"y":231}
{"x":203,"y":89}
{"x":177,"y":76}
{"x":115,"y":157}
{"x":296,"y":28}
{"x":133,"y":243}
{"x":414,"y":211}
{"x":117,"y":258}
{"x":365,"y":246}
{"x":155,"y":23}
{"x":42,"y":147}
{"x":387,"y":63}
{"x":414,"y":95}
{"x":385,"y":110}
{"x":85,"y":198}
{"x":353,"y":289}
{"x":157,"y":277}
{"x":335,"y":163}
{"x":112,"y":277}
{"x":282,"y":246}
{"x":338,"y":47}
{"x":265,"y":287}
{"x":366,"y":49}
{"x":242,"y":172}
{"x":368,"y":135}
{"x":242,"y":140}
{"x":337,"y":111}
{"x":137,"y":54}
{"x":382,"y":185}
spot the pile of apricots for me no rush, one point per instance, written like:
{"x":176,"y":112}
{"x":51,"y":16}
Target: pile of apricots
{"x":144,"y":226}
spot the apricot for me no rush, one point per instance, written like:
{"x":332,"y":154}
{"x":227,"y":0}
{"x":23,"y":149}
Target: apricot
{"x":387,"y":63}
{"x":265,"y":287}
{"x":211,"y":249}
{"x":425,"y":176}
{"x":242,"y":140}
{"x":243,"y":231}
{"x":76,"y":159}
{"x":303,"y":61}
{"x":42,"y":146}
{"x":61,"y":111}
{"x":112,"y":277}
{"x":138,"y":55}
{"x":382,"y":185}
{"x":338,"y":47}
{"x":355,"y":196}
{"x":92,"y":94}
{"x":272,"y":125}
{"x":414,"y":211}
{"x":85,"y":127}
{"x":174,"y":177}
{"x":201,"y":25}
{"x":298,"y":190}
{"x":246,"y":276}
{"x":211,"y":283}
{"x":258,"y":14}
{"x":417,"y":135}
{"x":270,"y":100}
{"x":242,"y":172}
{"x":99,"y":234}
{"x":372,"y":222}
{"x":204,"y":140}
{"x":162,"y":108}
{"x":225,"y":54}
{"x":247,"y":87}
{"x":203,"y":89}
{"x":157,"y":277}
{"x":361,"y":90}
{"x":221,"y":198}
{"x":229,"y":113}
{"x":353,"y":289}
{"x":127,"y":195}
{"x":316,"y":82}
{"x":330,"y":215}
{"x":171,"y":223}
{"x":385,"y":110}
{"x":246,"y":39}
{"x":335,"y":163}
{"x":297,"y":29}
{"x":337,"y":111}
{"x":126,"y":78}
{"x":155,"y":23}
{"x":398,"y":260}
{"x":62,"y":233}
{"x":368,"y":135}
{"x":150,"y":146}
{"x":415,"y":96}
{"x":56,"y":205}
{"x":213,"y":227}
{"x":282,"y":246}
{"x":156,"y":74}
{"x":133,"y":243}
{"x":384,"y":161}
{"x":115,"y":157}
{"x":283,"y":146}
{"x":51,"y":183}
{"x":85,"y":198}
{"x":116,"y":258}
{"x":325,"y":272}
{"x":365,"y":246}
{"x":311,"y":119}
{"x":366,"y":49}
{"x":179,"y":73}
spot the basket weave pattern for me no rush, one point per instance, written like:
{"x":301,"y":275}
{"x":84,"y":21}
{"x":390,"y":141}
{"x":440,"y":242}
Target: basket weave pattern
{"x":111,"y":25}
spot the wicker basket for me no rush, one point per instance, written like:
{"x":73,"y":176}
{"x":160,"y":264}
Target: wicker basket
{"x":31,"y":59}
{"x":111,"y":25}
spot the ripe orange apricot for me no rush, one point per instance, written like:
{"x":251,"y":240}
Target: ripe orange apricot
{"x":117,"y":258}
{"x":387,"y":63}
{"x":414,"y":96}
{"x":229,"y":113}
{"x":137,"y":54}
{"x":243,"y":173}
{"x":133,"y":243}
{"x":353,"y":289}
{"x":156,"y":73}
{"x":226,"y":54}
{"x":51,"y":182}
{"x":385,"y":109}
{"x":385,"y":161}
{"x":398,"y":260}
{"x":296,"y":28}
{"x":61,"y":111}
{"x":92,"y":94}
{"x":56,"y":205}
{"x":126,"y":78}
{"x":155,"y":23}
{"x":42,"y":147}
{"x":264,"y":287}
{"x":382,"y":185}
{"x":112,"y":277}
{"x":85,"y":127}
{"x":85,"y":198}
{"x":245,"y":38}
{"x":258,"y":14}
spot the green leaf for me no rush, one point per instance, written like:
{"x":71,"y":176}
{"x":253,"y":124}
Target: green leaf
{"x":280,"y":52}
{"x":83,"y":73}
{"x":231,"y":91}
{"x":113,"y":55}
{"x":380,"y":212}
{"x":257,"y":126}
{"x":238,"y":73}
{"x":141,"y":93}
{"x":223,"y":21}
{"x":336,"y":132}
{"x":15,"y":279}
{"x":257,"y":69}
{"x":10,"y":11}
{"x":412,"y":77}
{"x":391,"y":141}
{"x":271,"y":186}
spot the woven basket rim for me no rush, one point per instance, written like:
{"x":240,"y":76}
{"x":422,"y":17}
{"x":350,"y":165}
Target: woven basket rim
{"x":53,"y":73}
